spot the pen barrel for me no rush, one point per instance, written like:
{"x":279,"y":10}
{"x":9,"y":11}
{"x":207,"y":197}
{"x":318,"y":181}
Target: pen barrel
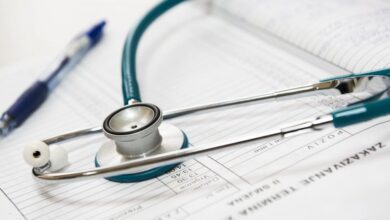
{"x":28,"y":102}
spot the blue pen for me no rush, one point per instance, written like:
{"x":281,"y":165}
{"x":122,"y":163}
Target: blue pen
{"x":34,"y":96}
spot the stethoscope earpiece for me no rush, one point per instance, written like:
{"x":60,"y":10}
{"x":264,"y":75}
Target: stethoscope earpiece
{"x":39,"y":155}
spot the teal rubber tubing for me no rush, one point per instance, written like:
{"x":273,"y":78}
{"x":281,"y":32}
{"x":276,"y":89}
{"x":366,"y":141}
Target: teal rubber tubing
{"x":361,"y":112}
{"x":130,"y":86}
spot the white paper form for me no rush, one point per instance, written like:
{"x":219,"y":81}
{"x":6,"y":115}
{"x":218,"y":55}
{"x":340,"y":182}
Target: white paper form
{"x":351,"y":34}
{"x":205,"y":61}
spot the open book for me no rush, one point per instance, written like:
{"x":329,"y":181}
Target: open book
{"x":194,"y":55}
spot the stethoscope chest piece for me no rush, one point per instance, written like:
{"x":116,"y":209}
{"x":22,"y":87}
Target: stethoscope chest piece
{"x":137,"y":131}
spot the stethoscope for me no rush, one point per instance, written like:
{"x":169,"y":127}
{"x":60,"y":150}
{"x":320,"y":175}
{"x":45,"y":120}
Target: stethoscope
{"x":142,"y":145}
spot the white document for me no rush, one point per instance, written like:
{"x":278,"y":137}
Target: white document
{"x":352,"y":34}
{"x":334,"y":173}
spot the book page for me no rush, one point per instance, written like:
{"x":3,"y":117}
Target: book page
{"x":207,"y":59}
{"x":353,"y":35}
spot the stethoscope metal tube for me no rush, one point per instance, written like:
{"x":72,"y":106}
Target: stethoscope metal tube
{"x":287,"y":93}
{"x":179,"y":155}
{"x":73,"y":134}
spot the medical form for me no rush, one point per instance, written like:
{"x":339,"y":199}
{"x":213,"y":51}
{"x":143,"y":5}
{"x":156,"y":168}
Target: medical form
{"x":262,"y":46}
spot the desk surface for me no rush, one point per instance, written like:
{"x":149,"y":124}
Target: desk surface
{"x":33,"y":29}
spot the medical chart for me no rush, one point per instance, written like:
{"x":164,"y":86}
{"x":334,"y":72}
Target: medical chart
{"x":350,"y":34}
{"x":333,"y":173}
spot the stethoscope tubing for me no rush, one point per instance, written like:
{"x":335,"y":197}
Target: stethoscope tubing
{"x":130,"y":88}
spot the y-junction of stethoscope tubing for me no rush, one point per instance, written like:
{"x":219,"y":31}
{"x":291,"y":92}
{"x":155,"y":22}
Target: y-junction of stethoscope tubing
{"x":183,"y":155}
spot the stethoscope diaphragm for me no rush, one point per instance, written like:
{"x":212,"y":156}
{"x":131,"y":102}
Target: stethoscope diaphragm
{"x":136,"y":131}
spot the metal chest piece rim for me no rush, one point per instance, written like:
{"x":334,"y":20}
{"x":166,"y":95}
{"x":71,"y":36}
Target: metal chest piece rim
{"x":137,"y":131}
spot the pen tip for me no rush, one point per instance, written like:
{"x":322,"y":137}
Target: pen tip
{"x":96,"y":31}
{"x":102,"y":23}
{"x":99,"y":26}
